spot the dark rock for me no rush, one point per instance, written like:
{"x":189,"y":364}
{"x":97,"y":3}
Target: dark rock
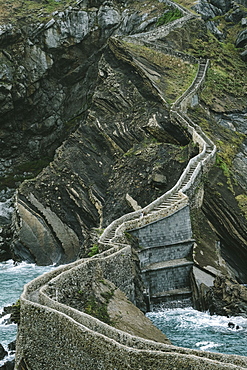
{"x":12,"y":346}
{"x":207,"y":11}
{"x":8,"y":365}
{"x":212,"y":27}
{"x":3,"y":353}
{"x":234,"y":122}
{"x":241,"y":39}
{"x":244,"y":55}
{"x":236,"y":16}
{"x":227,"y":298}
{"x":223,"y":5}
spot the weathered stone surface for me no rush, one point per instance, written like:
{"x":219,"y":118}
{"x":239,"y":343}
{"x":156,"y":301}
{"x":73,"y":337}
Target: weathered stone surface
{"x":8,"y":365}
{"x":227,"y":298}
{"x":224,"y":5}
{"x":3,"y":353}
{"x":207,"y":10}
{"x":241,"y":39}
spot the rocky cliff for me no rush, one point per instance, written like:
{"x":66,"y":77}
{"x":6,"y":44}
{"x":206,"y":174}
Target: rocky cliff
{"x":80,"y":110}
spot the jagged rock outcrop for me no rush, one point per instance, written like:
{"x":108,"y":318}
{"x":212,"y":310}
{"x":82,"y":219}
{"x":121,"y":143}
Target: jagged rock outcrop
{"x":227,"y":298}
{"x":242,"y":39}
{"x":83,"y":187}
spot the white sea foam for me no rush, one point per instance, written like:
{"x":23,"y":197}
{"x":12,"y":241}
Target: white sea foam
{"x":6,"y":208}
{"x":12,"y":279}
{"x":199,"y":330}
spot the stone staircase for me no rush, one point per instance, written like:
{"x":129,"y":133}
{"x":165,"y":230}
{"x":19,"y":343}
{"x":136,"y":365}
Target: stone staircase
{"x":169,"y":279}
{"x":175,"y":198}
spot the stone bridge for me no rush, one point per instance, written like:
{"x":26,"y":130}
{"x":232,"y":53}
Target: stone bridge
{"x":55,"y":335}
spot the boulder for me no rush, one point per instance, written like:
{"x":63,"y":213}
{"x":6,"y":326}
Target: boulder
{"x":244,"y":55}
{"x":236,"y":16}
{"x":3,"y":353}
{"x":241,"y":39}
{"x":207,"y":11}
{"x":8,"y":365}
{"x":227,"y":298}
{"x":223,"y":5}
{"x":12,"y":346}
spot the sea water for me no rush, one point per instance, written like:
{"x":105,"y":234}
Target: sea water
{"x":13,"y":277}
{"x":186,"y":327}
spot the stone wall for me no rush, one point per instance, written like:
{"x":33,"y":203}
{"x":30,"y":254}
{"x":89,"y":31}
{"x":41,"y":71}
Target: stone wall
{"x":53,"y":335}
{"x":166,"y":231}
{"x":150,"y":255}
{"x":169,"y":278}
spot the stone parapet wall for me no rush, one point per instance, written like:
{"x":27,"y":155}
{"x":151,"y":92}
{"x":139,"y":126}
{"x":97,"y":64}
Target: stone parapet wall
{"x":160,"y":47}
{"x":53,"y":335}
{"x":122,"y":275}
{"x":166,"y":231}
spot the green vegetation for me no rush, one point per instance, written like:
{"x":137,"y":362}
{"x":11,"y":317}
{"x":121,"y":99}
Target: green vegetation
{"x":227,"y":141}
{"x":226,"y":77}
{"x":35,"y":10}
{"x":96,"y":309}
{"x":223,"y":165}
{"x":242,"y":202}
{"x":171,"y":74}
{"x":169,"y":16}
{"x":93,"y":250}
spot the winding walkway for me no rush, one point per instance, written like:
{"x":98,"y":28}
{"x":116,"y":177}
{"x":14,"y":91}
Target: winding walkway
{"x":55,"y":336}
{"x":175,"y":198}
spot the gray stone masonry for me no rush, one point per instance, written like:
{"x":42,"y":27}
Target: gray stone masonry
{"x":161,"y":281}
{"x":149,"y":256}
{"x":166,"y":231}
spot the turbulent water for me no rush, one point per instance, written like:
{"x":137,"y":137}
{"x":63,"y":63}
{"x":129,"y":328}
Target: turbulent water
{"x":186,"y":327}
{"x":12,"y":280}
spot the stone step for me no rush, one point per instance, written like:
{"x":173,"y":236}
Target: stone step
{"x":173,"y":292}
{"x":167,"y":264}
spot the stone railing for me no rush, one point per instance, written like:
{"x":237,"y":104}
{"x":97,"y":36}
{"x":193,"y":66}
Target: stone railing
{"x":55,"y":336}
{"x":196,"y":165}
{"x":164,"y":30}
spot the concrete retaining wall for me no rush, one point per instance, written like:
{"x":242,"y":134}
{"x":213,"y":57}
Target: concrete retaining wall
{"x":161,"y":281}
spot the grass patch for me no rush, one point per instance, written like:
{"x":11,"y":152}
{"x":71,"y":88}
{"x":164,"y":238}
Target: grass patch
{"x":226,"y":76}
{"x":94,"y":308}
{"x":172,"y":75}
{"x":242,"y":202}
{"x":19,"y":11}
{"x":169,"y":16}
{"x":93,"y":250}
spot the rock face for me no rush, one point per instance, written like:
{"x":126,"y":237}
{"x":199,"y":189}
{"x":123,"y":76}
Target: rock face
{"x":227,"y":298}
{"x":242,"y":39}
{"x":3,"y":353}
{"x":85,"y":185}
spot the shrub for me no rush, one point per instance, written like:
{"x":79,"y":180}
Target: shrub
{"x":169,"y":16}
